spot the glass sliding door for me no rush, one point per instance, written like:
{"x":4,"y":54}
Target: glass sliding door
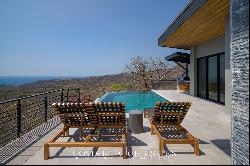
{"x":202,"y":78}
{"x":212,"y":78}
{"x":222,"y":78}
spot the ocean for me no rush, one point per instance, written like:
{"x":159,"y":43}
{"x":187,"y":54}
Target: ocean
{"x":19,"y":80}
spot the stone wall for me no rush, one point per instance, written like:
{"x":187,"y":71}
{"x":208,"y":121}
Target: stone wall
{"x":240,"y":80}
{"x":165,"y":85}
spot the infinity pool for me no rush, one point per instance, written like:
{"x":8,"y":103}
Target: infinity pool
{"x":133,"y":99}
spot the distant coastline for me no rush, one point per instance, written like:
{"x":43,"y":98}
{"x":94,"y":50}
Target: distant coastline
{"x":94,"y":86}
{"x":19,"y":80}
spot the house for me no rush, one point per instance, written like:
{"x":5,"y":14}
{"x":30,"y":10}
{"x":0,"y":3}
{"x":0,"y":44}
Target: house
{"x":203,"y":28}
{"x":217,"y":34}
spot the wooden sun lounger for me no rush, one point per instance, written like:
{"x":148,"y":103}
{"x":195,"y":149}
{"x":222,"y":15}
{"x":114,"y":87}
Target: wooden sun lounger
{"x":167,"y":118}
{"x":94,"y":116}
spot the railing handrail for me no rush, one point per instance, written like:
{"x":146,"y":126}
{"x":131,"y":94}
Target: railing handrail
{"x":171,"y":80}
{"x":20,"y":113}
{"x":26,"y":97}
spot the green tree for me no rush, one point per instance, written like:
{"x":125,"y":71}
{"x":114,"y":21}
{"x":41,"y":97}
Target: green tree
{"x":119,"y":86}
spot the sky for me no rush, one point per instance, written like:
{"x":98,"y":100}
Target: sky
{"x":81,"y":37}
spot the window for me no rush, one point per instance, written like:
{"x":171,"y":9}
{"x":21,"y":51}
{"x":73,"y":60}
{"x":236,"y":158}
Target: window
{"x":222,"y":78}
{"x":211,"y":77}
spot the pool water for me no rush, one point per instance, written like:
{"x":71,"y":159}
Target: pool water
{"x":138,"y":100}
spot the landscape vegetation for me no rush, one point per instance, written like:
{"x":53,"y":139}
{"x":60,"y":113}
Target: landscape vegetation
{"x":140,"y":74}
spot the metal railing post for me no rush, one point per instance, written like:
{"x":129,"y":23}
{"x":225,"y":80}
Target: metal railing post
{"x":62,"y":96}
{"x":178,"y":83}
{"x":78,"y":100}
{"x":18,"y":118}
{"x":45,"y":103}
{"x":67,"y":95}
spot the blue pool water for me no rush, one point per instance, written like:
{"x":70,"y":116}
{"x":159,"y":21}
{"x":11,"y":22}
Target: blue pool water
{"x":134,"y":99}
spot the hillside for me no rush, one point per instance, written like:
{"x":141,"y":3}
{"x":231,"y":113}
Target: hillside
{"x":94,"y":86}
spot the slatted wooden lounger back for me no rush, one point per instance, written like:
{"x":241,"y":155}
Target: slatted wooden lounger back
{"x":110,"y":115}
{"x":88,"y":115}
{"x":168,"y":117}
{"x":74,"y":115}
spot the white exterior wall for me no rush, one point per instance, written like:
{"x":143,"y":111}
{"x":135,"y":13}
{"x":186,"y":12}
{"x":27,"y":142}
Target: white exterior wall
{"x":214,"y":46}
{"x":210,"y":47}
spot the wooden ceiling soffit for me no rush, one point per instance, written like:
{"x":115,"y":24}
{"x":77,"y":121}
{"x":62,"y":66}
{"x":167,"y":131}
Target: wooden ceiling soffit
{"x":206,"y":23}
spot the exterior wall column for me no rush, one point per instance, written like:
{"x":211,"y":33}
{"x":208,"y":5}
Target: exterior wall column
{"x":193,"y":72}
{"x":239,"y":10}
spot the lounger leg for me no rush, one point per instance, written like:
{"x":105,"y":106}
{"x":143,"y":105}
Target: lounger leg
{"x":161,"y":148}
{"x":152,"y":130}
{"x":124,"y":152}
{"x":178,"y":130}
{"x":81,"y":130}
{"x":46,"y":151}
{"x":196,"y":147}
{"x":67,"y":132}
{"x":64,"y":131}
{"x":99,"y":132}
{"x":124,"y":130}
{"x":145,"y":114}
{"x":116,"y":132}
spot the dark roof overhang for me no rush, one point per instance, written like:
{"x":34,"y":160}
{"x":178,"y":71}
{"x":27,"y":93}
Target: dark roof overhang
{"x":179,"y":57}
